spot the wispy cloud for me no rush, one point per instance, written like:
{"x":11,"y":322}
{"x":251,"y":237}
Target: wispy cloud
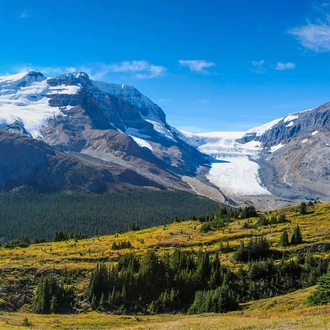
{"x":48,"y":71}
{"x":284,"y":66}
{"x":315,"y":37}
{"x":197,"y":65}
{"x":140,"y":69}
{"x":315,"y":34}
{"x":24,"y":14}
{"x":132,"y":69}
{"x":258,"y":66}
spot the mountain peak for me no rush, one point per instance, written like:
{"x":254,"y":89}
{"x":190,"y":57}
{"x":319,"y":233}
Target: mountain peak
{"x":73,"y":78}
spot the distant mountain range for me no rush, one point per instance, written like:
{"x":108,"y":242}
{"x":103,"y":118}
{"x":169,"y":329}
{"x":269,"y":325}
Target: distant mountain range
{"x":69,"y":132}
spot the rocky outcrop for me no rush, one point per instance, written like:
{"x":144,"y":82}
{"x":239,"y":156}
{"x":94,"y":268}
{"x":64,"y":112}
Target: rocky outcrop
{"x":28,"y":163}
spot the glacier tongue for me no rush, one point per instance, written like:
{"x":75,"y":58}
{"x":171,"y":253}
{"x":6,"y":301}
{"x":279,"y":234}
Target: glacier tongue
{"x":232,"y":170}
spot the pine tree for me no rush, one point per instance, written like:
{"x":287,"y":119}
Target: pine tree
{"x":303,"y":208}
{"x":296,"y":236}
{"x":321,"y":296}
{"x":284,"y":239}
{"x":53,"y":304}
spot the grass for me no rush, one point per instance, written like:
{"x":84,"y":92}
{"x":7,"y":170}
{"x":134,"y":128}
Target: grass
{"x":285,"y":312}
{"x":20,"y":265}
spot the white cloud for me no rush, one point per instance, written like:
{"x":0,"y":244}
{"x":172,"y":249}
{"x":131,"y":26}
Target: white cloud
{"x":197,"y":65}
{"x":133,"y":69}
{"x":284,"y":66}
{"x":258,"y":66}
{"x":47,"y":71}
{"x":139,"y":69}
{"x":315,"y":37}
{"x":258,"y":63}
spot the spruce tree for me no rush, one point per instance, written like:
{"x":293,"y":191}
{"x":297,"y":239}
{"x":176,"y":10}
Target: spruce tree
{"x":321,"y":296}
{"x":296,"y":236}
{"x":284,"y":239}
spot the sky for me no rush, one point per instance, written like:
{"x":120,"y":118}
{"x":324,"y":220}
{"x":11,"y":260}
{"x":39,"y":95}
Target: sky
{"x":220,"y":65}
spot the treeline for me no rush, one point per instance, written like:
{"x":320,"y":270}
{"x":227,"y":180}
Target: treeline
{"x":158,"y":284}
{"x":39,"y":216}
{"x":186,"y":282}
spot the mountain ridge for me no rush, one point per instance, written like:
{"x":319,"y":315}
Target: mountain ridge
{"x":274,"y":164}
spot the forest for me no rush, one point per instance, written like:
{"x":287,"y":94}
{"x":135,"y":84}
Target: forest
{"x":39,"y":216}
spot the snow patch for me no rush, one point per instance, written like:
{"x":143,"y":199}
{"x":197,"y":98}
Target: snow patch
{"x":315,"y":132}
{"x":142,"y":143}
{"x":274,"y":148}
{"x":64,"y":89}
{"x":304,"y":141}
{"x":136,"y":133}
{"x":291,"y":123}
{"x":260,"y":130}
{"x":159,"y":127}
{"x":290,"y":118}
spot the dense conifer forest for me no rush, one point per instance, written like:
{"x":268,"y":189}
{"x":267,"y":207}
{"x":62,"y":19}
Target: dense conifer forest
{"x":39,"y":216}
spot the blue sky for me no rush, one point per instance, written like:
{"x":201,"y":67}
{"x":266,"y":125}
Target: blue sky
{"x":211,"y":65}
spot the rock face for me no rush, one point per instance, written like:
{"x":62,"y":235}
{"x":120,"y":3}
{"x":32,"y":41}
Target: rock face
{"x":30,"y":163}
{"x":69,"y":132}
{"x":295,"y":160}
{"x":284,"y":161}
{"x":117,"y":131}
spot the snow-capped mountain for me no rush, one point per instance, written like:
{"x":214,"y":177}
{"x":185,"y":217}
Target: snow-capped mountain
{"x":115,"y":126}
{"x":97,"y":136}
{"x":284,"y":160}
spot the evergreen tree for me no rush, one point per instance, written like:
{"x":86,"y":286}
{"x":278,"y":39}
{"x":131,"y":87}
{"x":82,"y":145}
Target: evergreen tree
{"x":284,"y":239}
{"x":303,"y":208}
{"x":321,"y":296}
{"x":296,"y":236}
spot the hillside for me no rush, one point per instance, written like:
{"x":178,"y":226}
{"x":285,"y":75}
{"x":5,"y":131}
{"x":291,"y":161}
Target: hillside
{"x":39,"y":216}
{"x":72,"y":261}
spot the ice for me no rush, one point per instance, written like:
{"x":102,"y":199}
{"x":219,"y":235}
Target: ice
{"x":237,"y":176}
{"x":290,"y":118}
{"x":24,"y":98}
{"x":259,"y":130}
{"x":142,"y":142}
{"x":233,"y":171}
{"x":136,"y":133}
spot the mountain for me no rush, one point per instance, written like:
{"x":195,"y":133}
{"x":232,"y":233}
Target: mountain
{"x":113,"y":137}
{"x":112,"y":127}
{"x":283,"y":161}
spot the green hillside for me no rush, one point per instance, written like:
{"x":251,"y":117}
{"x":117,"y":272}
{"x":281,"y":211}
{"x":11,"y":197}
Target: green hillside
{"x":237,"y":262}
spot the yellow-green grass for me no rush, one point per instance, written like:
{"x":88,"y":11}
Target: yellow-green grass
{"x":286,"y":312}
{"x":315,"y":228}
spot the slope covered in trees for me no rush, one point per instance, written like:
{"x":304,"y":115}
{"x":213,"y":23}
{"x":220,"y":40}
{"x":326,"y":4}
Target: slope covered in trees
{"x":41,"y":215}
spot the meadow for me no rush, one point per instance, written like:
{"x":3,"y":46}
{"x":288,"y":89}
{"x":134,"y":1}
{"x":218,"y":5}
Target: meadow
{"x":74,"y":260}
